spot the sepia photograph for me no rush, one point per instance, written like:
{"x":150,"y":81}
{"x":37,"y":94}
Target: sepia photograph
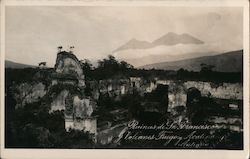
{"x":132,"y":77}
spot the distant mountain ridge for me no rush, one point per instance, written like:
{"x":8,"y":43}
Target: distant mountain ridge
{"x":226,"y":62}
{"x":134,"y":44}
{"x":173,"y":39}
{"x":168,"y":39}
{"x":11,"y":64}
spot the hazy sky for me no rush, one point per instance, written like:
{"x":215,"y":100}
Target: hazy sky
{"x":33,"y":33}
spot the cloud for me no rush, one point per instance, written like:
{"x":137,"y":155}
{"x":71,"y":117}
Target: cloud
{"x":33,"y":33}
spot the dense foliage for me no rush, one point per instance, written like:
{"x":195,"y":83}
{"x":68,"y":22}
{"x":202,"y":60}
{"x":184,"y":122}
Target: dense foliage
{"x":111,"y":68}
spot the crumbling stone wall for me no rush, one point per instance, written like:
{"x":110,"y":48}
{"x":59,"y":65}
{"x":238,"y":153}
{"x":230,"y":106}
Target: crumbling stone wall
{"x":58,"y":102}
{"x":178,"y":90}
{"x":68,"y":69}
{"x":67,"y":63}
{"x":224,"y":90}
{"x":78,"y":108}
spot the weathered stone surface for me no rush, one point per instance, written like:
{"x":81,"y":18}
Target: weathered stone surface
{"x":234,"y":124}
{"x":152,"y":86}
{"x":177,"y":94}
{"x":58,"y":102}
{"x":178,"y":99}
{"x":224,"y":91}
{"x":87,"y":124}
{"x":116,"y":87}
{"x":135,"y":82}
{"x":68,"y":70}
{"x":78,"y":113}
{"x":77,"y":107}
{"x":67,"y":63}
{"x":178,"y":90}
{"x":82,"y":107}
{"x":69,"y":124}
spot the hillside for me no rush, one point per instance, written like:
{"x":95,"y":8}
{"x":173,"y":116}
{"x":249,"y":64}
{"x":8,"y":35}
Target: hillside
{"x":10,"y":64}
{"x":226,"y":62}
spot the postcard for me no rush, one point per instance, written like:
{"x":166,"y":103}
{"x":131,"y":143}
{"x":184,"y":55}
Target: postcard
{"x":124,"y":79}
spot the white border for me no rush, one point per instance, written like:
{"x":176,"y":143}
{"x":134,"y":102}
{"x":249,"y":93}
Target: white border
{"x":2,"y":57}
{"x":127,"y":154}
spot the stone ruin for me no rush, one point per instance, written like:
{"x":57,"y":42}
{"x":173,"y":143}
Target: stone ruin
{"x":68,"y":70}
{"x":78,"y":108}
{"x":70,"y":96}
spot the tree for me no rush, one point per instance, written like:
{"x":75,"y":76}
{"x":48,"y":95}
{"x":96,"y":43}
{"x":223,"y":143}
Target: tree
{"x":125,"y":65}
{"x":182,"y":73}
{"x":86,"y":65}
{"x":205,"y":68}
{"x":108,"y":67}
